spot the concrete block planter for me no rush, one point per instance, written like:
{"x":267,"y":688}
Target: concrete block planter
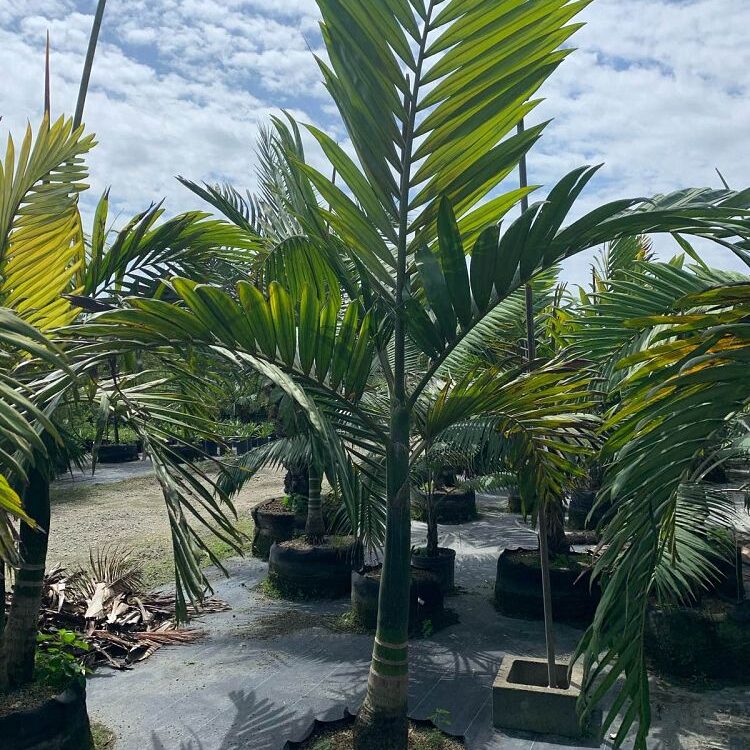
{"x":273,"y":523}
{"x":60,"y":723}
{"x":522,"y":699}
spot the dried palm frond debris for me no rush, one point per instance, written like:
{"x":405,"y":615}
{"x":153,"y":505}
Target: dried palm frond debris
{"x":107,"y":605}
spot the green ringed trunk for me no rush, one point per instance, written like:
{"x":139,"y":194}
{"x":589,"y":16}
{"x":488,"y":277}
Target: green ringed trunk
{"x":314,"y":526}
{"x":382,"y":721}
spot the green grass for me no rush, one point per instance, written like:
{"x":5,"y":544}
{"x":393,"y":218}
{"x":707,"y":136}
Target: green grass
{"x":158,"y":562}
{"x":104,"y":737}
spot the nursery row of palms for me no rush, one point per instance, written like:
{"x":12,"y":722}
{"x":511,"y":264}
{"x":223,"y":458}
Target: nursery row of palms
{"x":387,"y":304}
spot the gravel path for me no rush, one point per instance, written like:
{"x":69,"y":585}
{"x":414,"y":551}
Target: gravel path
{"x":123,"y":505}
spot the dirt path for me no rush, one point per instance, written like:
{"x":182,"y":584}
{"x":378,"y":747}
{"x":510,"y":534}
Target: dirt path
{"x":131,"y":513}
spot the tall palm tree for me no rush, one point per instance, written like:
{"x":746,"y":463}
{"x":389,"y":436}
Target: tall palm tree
{"x":48,"y":268}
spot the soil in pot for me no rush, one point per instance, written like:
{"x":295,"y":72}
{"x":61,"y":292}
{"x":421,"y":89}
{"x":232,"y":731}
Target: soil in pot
{"x":709,"y":640}
{"x":273,"y":522}
{"x":442,"y":565}
{"x":425,"y":599}
{"x":117,"y":453}
{"x":41,"y":718}
{"x":297,"y":568}
{"x":518,"y":586}
{"x":451,"y":507}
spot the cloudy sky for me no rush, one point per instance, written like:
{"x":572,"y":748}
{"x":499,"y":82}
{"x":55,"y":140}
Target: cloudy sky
{"x":658,"y":90}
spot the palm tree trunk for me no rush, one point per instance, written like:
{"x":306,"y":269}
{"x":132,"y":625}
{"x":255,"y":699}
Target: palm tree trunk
{"x":382,"y":722}
{"x":88,"y":64}
{"x":314,"y":526}
{"x":2,"y":598}
{"x":432,"y":527}
{"x":549,"y":632}
{"x":18,"y":646}
{"x":557,"y":542}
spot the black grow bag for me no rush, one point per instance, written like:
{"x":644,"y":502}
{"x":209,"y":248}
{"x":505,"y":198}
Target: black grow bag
{"x":710,"y":640}
{"x":272,"y":523}
{"x":425,"y":597}
{"x":518,"y":587}
{"x":117,"y":453}
{"x":325,"y":570}
{"x":450,"y":507}
{"x":60,"y":723}
{"x":442,"y":566}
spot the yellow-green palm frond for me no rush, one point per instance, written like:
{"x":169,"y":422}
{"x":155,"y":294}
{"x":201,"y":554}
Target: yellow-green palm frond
{"x":41,"y":238}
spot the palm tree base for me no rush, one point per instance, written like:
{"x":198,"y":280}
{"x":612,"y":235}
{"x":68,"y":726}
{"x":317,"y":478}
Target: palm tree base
{"x":378,"y":730}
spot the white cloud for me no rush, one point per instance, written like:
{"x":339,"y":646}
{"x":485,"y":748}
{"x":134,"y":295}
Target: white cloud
{"x":658,"y":90}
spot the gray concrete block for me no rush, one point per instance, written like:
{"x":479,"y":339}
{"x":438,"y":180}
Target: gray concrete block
{"x":522,"y":699}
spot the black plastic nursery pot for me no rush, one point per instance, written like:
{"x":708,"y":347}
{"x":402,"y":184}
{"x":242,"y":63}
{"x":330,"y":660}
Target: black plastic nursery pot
{"x":273,"y":522}
{"x":59,"y":723}
{"x":316,"y":570}
{"x":581,"y":503}
{"x":729,"y":582}
{"x":514,"y":503}
{"x":451,"y":507}
{"x":186,"y":453}
{"x":442,"y":565}
{"x":425,"y":597}
{"x":518,"y":586}
{"x":117,"y":453}
{"x":709,"y":640}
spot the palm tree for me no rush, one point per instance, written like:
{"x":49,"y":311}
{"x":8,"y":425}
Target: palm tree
{"x":677,"y":344}
{"x":46,"y":265}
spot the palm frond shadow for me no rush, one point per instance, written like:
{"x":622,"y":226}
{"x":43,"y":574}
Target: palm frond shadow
{"x":256,"y":719}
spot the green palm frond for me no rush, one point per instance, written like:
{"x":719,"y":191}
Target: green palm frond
{"x":145,"y":252}
{"x":680,"y":395}
{"x":22,"y":418}
{"x":41,"y":239}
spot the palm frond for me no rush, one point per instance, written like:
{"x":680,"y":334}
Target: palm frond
{"x":41,"y":238}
